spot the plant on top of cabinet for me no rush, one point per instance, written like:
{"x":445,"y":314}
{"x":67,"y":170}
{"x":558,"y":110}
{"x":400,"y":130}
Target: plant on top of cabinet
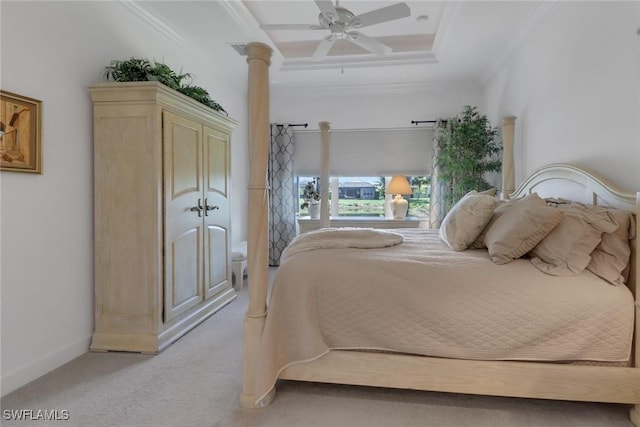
{"x":142,"y":70}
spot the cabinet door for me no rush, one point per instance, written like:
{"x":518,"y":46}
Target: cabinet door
{"x":183,"y":190}
{"x":217,"y":265}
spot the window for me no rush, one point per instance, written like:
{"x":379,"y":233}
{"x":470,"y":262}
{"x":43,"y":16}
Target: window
{"x":362,"y":161}
{"x":365,"y":195}
{"x":360,"y":196}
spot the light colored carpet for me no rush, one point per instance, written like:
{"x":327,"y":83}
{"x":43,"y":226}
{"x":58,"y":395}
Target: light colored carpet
{"x":196,"y":382}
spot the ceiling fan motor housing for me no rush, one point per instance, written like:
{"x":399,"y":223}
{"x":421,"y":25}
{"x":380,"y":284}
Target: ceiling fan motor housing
{"x":340,"y":24}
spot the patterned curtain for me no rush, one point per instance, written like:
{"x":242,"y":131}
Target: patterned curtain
{"x":437,"y":210}
{"x":282,"y":194}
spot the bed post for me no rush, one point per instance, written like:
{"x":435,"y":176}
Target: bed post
{"x":635,"y":278}
{"x":259,"y":59}
{"x":324,"y":173}
{"x":508,"y":178}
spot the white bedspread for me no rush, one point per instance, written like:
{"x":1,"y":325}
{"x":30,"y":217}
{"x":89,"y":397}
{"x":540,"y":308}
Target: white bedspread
{"x":420,"y":297}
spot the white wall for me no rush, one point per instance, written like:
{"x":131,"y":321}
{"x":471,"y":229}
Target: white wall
{"x":52,"y":51}
{"x":369,"y":107}
{"x":574,"y":86}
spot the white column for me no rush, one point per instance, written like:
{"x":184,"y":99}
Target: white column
{"x":259,"y":59}
{"x":508,"y":178}
{"x":324,"y":174}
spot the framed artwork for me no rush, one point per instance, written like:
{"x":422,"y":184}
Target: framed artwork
{"x":20,"y":133}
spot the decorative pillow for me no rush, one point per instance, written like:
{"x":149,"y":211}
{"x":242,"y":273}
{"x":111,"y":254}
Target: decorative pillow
{"x":610,"y":259}
{"x":566,"y":251}
{"x":501,"y":207}
{"x":520,"y":228}
{"x":466,"y":220}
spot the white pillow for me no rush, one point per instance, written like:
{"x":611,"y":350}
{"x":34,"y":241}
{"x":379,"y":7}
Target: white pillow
{"x":466,"y":220}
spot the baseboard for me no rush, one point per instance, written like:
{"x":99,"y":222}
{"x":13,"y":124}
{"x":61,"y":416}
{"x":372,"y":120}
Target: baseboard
{"x":33,"y":370}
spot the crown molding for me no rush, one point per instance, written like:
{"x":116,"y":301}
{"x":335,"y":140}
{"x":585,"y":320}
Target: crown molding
{"x":426,"y":88}
{"x":246,"y":22}
{"x":358,"y":61}
{"x":155,"y":23}
{"x":250,"y":28}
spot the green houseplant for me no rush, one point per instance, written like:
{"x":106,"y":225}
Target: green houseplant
{"x":469,"y":153}
{"x":311,"y":199}
{"x":142,"y":70}
{"x":311,"y":195}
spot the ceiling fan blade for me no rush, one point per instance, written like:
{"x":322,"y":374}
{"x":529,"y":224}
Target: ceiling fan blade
{"x":369,"y":43}
{"x":323,"y":48}
{"x":269,"y":27}
{"x":327,"y":9}
{"x":384,"y":14}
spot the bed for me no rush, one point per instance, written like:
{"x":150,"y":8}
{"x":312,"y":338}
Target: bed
{"x":354,"y":312}
{"x":462,"y":364}
{"x":581,"y":375}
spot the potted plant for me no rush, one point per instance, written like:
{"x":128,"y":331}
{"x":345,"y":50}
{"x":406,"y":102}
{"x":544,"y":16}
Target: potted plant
{"x":311,"y":199}
{"x":142,"y":70}
{"x":469,"y":153}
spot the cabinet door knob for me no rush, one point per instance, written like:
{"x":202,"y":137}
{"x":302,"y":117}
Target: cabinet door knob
{"x":209,"y":208}
{"x":197,"y":208}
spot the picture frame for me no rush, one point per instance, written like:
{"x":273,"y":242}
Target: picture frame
{"x":20,"y":133}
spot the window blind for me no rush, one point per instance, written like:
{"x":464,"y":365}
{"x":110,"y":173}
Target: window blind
{"x":366,"y":152}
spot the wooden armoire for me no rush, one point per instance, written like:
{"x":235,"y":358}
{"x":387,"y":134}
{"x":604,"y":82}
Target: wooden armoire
{"x":162,"y":229}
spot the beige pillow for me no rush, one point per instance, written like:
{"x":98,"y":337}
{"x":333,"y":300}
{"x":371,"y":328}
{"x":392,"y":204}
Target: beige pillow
{"x":466,"y":220}
{"x":610,"y":259}
{"x":501,"y":207}
{"x":520,"y":228}
{"x":566,"y":251}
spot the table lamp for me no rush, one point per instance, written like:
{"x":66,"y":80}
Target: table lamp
{"x":399,"y":186}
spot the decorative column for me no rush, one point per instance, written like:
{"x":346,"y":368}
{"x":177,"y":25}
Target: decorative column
{"x":324,"y":174}
{"x":259,"y":59}
{"x":508,"y":178}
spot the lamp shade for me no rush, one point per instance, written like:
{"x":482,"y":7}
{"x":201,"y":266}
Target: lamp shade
{"x":399,"y":185}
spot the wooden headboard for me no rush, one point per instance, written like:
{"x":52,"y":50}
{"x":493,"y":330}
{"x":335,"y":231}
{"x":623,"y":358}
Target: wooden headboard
{"x":570,"y":181}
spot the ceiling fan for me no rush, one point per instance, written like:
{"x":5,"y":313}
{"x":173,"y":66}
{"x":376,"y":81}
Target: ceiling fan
{"x":341,"y":23}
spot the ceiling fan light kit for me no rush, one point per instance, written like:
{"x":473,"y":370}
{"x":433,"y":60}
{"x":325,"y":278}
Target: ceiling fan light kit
{"x":341,"y":22}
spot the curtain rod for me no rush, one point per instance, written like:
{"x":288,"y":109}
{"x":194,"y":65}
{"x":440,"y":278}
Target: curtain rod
{"x":293,"y":124}
{"x":416,"y":122}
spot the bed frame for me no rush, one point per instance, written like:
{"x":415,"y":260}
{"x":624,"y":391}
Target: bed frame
{"x":498,"y":378}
